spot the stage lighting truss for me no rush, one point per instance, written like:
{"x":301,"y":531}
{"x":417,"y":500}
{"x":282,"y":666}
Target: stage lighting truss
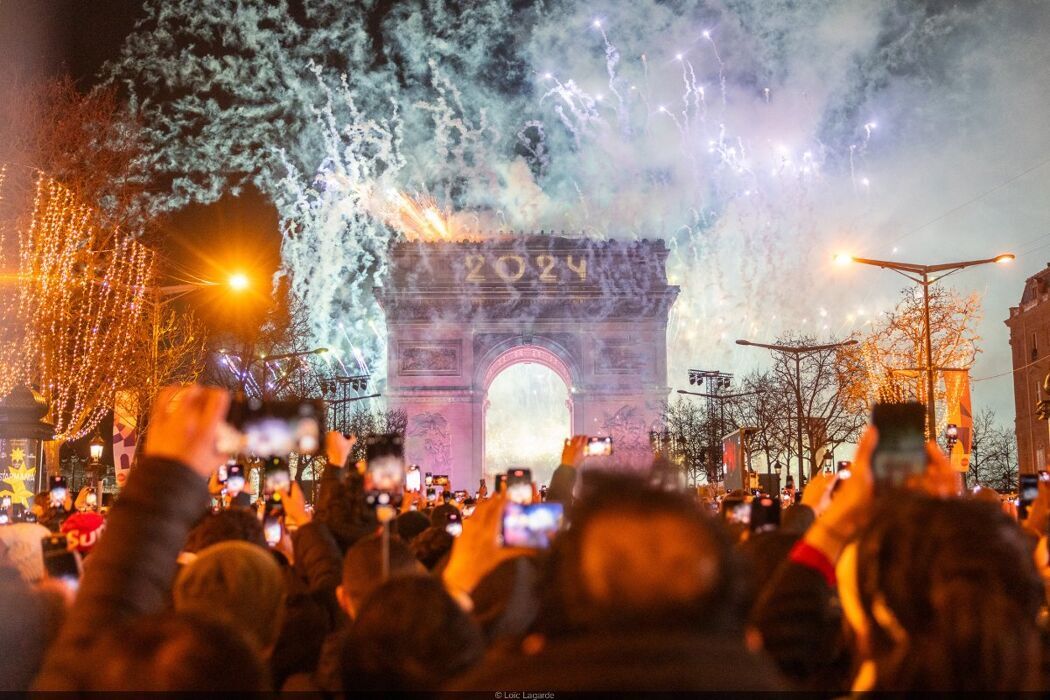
{"x":715,"y":381}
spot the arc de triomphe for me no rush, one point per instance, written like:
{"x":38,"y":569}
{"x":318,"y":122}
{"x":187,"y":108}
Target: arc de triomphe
{"x":458,"y":313}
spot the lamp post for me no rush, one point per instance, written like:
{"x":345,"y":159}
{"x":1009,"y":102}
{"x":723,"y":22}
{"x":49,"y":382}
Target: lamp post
{"x":925,"y":275}
{"x":777,"y":467}
{"x":237,"y":282}
{"x":797,"y":351}
{"x":95,"y":448}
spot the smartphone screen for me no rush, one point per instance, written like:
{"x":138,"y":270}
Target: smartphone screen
{"x":413,"y":482}
{"x":736,"y":511}
{"x":58,"y":490}
{"x":59,"y":562}
{"x":598,"y":447}
{"x":533,"y":526}
{"x":901,"y":452}
{"x":1029,"y":489}
{"x":454,"y":524}
{"x":765,"y":514}
{"x":234,"y":478}
{"x":519,"y":486}
{"x":273,"y":529}
{"x":277,"y":476}
{"x":499,"y":483}
{"x":269,"y":429}
{"x":385,"y":470}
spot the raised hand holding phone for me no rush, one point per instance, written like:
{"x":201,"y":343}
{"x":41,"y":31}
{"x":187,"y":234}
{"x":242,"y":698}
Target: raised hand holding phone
{"x":478,"y":550}
{"x":337,"y":447}
{"x":850,"y":509}
{"x":183,"y":426}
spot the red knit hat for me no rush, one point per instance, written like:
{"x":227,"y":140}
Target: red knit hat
{"x":83,"y":530}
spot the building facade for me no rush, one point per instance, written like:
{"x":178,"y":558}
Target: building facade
{"x":1029,"y":325}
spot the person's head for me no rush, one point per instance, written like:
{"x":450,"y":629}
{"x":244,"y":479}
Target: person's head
{"x":232,"y":524}
{"x":173,"y":652}
{"x":409,"y":636}
{"x":24,"y":633}
{"x":443,"y":514}
{"x":762,"y":554}
{"x":640,"y":557}
{"x":239,"y":584}
{"x":432,"y":545}
{"x":410,"y":524}
{"x":363,"y":570}
{"x":942,"y":595}
{"x":797,"y":518}
{"x":21,"y":548}
{"x":342,"y":509}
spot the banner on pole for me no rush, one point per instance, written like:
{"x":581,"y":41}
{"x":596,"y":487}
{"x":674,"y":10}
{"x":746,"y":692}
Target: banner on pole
{"x":125,"y":433}
{"x":960,"y":412}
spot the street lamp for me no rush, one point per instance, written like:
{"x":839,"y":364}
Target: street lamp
{"x":797,"y":351}
{"x":951,"y":436}
{"x":925,"y":275}
{"x":95,"y":448}
{"x":237,"y":282}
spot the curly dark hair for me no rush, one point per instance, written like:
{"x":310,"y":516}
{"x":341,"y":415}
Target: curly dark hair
{"x":407,"y":630}
{"x":951,"y":596}
{"x":230,"y":524}
{"x":431,"y":546}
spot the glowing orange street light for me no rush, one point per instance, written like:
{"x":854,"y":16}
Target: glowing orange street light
{"x":926,"y":275}
{"x":238,"y":282}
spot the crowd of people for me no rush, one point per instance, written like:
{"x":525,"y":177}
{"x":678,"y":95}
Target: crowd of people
{"x":642,"y":588}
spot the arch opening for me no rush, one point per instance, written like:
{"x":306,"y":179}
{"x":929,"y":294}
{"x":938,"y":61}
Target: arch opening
{"x":528,"y":413}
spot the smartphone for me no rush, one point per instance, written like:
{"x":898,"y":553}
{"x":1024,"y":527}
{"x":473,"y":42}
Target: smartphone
{"x":59,"y":562}
{"x":429,"y":479}
{"x":273,"y":529}
{"x":842,"y":470}
{"x":440,"y":480}
{"x":431,"y":493}
{"x":468,"y":507}
{"x":454,"y":524}
{"x":598,"y":447}
{"x":765,"y":514}
{"x":1044,"y":475}
{"x":901,"y":452}
{"x":58,"y":490}
{"x":519,"y":486}
{"x":385,"y":469}
{"x":1028,"y":489}
{"x":274,"y":506}
{"x":91,"y":498}
{"x":5,"y":502}
{"x":276,"y":475}
{"x":531,"y":525}
{"x":736,"y":510}
{"x":222,"y":474}
{"x":271,"y":428}
{"x":412,"y":478}
{"x":234,"y":478}
{"x":499,"y":483}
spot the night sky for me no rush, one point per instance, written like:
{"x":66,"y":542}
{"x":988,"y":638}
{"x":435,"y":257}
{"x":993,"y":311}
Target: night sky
{"x":50,"y":38}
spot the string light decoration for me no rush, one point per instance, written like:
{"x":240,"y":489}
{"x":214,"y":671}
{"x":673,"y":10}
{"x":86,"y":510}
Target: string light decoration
{"x":13,"y":357}
{"x":83,"y":295}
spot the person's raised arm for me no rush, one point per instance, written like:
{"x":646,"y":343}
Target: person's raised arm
{"x":563,"y":481}
{"x":130,"y":570}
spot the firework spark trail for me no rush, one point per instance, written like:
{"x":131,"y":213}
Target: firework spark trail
{"x":612,"y":60}
{"x":721,"y":66}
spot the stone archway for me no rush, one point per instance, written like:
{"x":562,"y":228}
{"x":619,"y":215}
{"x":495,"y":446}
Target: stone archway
{"x":595,"y":312}
{"x":541,"y":352}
